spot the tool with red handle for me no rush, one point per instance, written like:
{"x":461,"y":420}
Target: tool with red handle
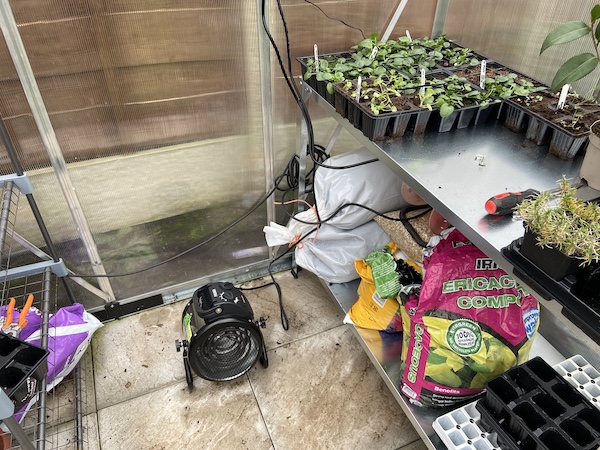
{"x":505,"y":203}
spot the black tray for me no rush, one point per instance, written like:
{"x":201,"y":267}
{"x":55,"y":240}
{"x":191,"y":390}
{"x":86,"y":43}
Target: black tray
{"x":575,"y":309}
{"x":20,"y":363}
{"x":531,"y":407}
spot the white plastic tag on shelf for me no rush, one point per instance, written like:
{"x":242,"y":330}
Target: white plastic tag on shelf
{"x":316,"y":50}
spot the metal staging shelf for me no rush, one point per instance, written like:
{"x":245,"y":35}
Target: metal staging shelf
{"x":445,"y":169}
{"x":55,"y":420}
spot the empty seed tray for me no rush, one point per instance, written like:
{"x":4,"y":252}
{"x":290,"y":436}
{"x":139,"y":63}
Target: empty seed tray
{"x":583,"y":376}
{"x":460,"y":429}
{"x":22,"y":366}
{"x":532,"y":407}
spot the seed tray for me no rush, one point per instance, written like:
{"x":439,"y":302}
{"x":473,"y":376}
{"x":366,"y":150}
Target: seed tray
{"x":563,"y":143}
{"x":461,"y":429}
{"x":563,"y":291}
{"x":20,"y":364}
{"x":532,"y":407}
{"x":375,"y":127}
{"x":583,"y":376}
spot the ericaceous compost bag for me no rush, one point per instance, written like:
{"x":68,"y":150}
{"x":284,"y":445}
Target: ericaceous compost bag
{"x":470,"y":323}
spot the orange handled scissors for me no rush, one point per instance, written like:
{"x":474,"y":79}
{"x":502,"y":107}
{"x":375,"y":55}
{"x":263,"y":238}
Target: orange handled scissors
{"x":13,"y":329}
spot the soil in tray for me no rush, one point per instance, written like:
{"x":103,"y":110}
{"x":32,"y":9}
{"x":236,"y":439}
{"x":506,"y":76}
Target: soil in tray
{"x":404,"y":102}
{"x":493,"y":70}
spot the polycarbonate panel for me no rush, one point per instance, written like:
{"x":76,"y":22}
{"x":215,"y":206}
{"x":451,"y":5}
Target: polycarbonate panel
{"x":156,"y":107}
{"x":512,"y":32}
{"x":308,"y":25}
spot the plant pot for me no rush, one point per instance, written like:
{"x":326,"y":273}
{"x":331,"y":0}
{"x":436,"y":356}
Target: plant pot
{"x":538,"y":131}
{"x":550,"y":260}
{"x":516,"y":119}
{"x":590,"y":167}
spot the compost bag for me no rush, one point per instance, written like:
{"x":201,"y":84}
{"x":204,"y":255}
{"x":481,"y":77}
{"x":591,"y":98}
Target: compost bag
{"x":383,"y":274}
{"x":469,"y":323}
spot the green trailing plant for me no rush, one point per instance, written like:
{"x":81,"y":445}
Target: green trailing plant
{"x":382,"y":92}
{"x":503,"y":87}
{"x":565,"y":222}
{"x":449,"y":94}
{"x":402,"y":55}
{"x":578,"y":66}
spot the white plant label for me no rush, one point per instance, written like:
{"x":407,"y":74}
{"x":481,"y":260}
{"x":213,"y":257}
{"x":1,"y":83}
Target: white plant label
{"x":563,"y":96}
{"x":316,"y":58}
{"x":408,"y":35}
{"x":373,"y":53}
{"x":358,"y":87}
{"x":422,"y":82}
{"x":482,"y":74}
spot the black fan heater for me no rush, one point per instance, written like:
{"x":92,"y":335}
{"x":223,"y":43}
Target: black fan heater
{"x":222,"y":340}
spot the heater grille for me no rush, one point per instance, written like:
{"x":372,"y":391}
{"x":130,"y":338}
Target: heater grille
{"x":225,"y":353}
{"x":223,"y":340}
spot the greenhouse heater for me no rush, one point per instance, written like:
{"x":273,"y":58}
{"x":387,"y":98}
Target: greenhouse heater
{"x":222,"y":341}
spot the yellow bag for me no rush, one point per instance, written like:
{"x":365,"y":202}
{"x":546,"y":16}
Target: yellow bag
{"x":370,"y":310}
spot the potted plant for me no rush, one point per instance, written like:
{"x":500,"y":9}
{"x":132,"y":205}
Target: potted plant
{"x":590,"y":167}
{"x":562,"y":232}
{"x":576,"y":68}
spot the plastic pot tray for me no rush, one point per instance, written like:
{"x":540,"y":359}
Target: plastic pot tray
{"x":575,"y":308}
{"x":462,"y":428}
{"x":378,"y":127}
{"x":583,"y":376}
{"x":320,"y":86}
{"x":532,"y":407}
{"x":563,"y":143}
{"x":20,"y":362}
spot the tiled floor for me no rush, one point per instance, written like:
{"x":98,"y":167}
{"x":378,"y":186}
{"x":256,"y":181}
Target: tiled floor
{"x":320,"y":390}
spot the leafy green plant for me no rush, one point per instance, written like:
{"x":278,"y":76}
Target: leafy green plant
{"x":381,"y":93}
{"x":564,"y":222}
{"x":506,"y":86}
{"x":581,"y":65}
{"x":449,"y":93}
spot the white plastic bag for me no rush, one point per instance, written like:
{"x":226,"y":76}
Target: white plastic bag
{"x":373,"y":185}
{"x":330,"y":253}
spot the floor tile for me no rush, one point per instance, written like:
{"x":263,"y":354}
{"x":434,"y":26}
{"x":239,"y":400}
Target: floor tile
{"x":64,"y":436}
{"x":309,"y":308}
{"x":137,"y":354}
{"x":214,"y":416}
{"x":323,"y":392}
{"x":417,"y":445}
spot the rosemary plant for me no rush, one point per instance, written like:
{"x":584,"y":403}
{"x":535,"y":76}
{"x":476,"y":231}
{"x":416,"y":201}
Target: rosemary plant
{"x":565,"y":222}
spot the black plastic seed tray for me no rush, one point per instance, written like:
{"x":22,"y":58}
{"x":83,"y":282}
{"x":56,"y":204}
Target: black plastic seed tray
{"x":22,"y":366}
{"x":531,"y":407}
{"x":584,"y":314}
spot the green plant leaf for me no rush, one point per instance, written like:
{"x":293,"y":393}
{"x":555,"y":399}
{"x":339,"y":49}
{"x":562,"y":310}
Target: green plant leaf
{"x":446,"y":110}
{"x":597,"y":33}
{"x":564,"y":33}
{"x":574,"y":69}
{"x":595,"y":13}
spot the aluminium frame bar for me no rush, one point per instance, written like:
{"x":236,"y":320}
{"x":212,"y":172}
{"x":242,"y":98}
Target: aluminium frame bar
{"x":48,"y":136}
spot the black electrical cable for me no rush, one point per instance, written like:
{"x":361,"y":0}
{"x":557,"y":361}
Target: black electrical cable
{"x":335,"y":19}
{"x":290,"y":174}
{"x":298,"y":98}
{"x":406,"y":220}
